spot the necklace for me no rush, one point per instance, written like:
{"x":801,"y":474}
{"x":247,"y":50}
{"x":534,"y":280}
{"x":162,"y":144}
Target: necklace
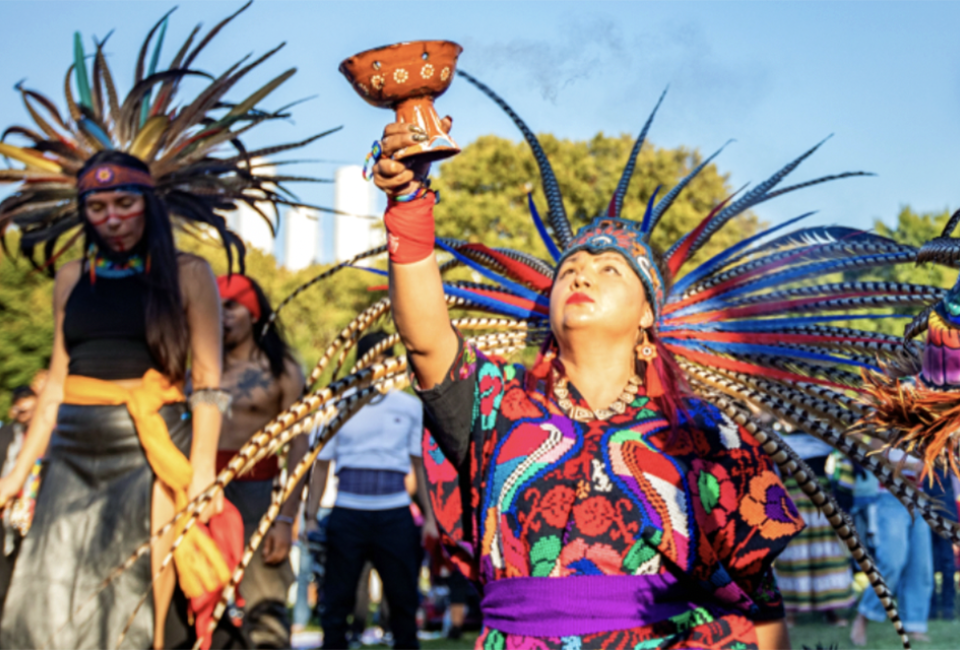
{"x":101,"y":266}
{"x":581,"y":414}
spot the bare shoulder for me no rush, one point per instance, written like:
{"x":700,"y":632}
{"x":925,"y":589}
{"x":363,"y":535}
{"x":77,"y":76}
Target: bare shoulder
{"x":192,"y":265}
{"x":66,"y":279}
{"x":293,"y":375}
{"x":196,"y":276}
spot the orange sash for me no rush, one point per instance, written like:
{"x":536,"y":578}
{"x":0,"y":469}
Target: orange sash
{"x":200,"y":565}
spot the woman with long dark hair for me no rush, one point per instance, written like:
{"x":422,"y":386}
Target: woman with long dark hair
{"x":125,"y":451}
{"x":618,"y":493}
{"x":127,"y":317}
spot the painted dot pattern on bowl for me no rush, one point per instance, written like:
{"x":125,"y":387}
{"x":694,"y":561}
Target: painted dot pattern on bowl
{"x":400,"y":75}
{"x":445,"y":74}
{"x":426,"y":71}
{"x":376,"y":81}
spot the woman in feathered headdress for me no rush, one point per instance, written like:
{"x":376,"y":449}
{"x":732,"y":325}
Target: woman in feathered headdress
{"x":597,"y":501}
{"x":125,"y":450}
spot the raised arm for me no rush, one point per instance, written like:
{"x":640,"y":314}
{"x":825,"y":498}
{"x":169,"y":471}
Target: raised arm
{"x":416,"y":291}
{"x":45,"y":417}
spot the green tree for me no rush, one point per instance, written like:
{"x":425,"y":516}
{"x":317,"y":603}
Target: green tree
{"x":484,"y":188}
{"x":26,"y":325}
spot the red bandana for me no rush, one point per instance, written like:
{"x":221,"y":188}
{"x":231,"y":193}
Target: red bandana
{"x":239,"y":289}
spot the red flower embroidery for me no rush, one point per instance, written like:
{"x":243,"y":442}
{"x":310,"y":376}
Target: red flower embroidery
{"x":714,"y":495}
{"x":594,"y":516}
{"x":555,"y":506}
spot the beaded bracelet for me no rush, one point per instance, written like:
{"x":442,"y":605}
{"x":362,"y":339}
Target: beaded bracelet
{"x":376,"y":150}
{"x":215,"y":396}
{"x":284,"y":519}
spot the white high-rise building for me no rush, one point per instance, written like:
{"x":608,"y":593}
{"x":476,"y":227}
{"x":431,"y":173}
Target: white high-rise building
{"x":303,"y":232}
{"x":300,"y":242}
{"x":355,"y":200}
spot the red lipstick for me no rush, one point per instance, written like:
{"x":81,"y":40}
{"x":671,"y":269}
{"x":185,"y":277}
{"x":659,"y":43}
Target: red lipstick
{"x":576,"y":298}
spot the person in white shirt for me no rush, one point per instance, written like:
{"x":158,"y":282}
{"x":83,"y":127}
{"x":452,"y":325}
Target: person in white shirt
{"x":371,"y":518}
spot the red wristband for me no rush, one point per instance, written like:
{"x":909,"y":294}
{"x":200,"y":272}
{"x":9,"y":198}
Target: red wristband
{"x":410,"y":232}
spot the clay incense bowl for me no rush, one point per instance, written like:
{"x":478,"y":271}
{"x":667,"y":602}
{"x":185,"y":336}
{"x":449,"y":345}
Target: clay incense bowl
{"x":407,"y":77}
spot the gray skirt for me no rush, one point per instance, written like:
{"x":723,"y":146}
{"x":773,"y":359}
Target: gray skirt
{"x":93,"y":511}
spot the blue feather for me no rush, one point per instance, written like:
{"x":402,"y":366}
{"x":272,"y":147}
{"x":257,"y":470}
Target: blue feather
{"x":516,"y":288}
{"x":670,"y":196}
{"x":492,"y":303}
{"x":542,"y":229}
{"x":777,"y":279}
{"x":773,"y":350}
{"x":755,"y":196}
{"x":647,"y":215}
{"x":484,"y":301}
{"x":624,"y":183}
{"x":799,"y":273}
{"x":717,"y":260}
{"x":90,"y":128}
{"x":774,"y":324}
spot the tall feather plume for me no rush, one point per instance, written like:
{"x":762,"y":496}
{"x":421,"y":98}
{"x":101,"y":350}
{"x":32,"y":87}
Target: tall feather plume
{"x":557,"y":216}
{"x":616,"y":203}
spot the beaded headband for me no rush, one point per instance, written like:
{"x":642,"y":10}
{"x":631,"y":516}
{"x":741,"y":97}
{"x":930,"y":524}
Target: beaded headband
{"x":111,"y":176}
{"x":623,"y":236}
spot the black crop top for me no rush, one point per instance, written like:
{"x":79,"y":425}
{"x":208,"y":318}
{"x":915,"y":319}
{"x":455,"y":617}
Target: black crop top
{"x":105,"y":328}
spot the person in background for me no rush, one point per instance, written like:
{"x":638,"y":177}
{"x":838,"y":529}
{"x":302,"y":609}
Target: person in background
{"x":371,"y":519}
{"x":943,"y":602}
{"x":264,"y":379}
{"x":904,"y":557}
{"x":11,"y":440}
{"x":814,"y":572}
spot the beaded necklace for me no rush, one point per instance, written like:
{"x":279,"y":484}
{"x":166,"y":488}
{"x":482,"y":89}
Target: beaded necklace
{"x":582,"y":414}
{"x":102,"y":266}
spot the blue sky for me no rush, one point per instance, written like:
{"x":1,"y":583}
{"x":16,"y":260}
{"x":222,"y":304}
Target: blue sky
{"x":777,"y":77}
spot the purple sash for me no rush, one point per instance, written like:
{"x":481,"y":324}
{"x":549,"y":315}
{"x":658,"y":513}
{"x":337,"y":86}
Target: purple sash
{"x":578,"y":605}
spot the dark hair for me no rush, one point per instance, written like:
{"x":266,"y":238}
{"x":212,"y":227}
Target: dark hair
{"x":273,"y":343}
{"x":370,"y":340}
{"x":168,"y":336}
{"x":22,"y":392}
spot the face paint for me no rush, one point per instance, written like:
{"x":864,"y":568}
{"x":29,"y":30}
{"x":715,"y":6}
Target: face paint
{"x":122,"y":217}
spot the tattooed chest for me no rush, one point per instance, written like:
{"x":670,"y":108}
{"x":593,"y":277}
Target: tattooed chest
{"x":252,"y":387}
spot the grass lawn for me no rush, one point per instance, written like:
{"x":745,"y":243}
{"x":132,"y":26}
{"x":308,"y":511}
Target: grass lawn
{"x":943,"y":635}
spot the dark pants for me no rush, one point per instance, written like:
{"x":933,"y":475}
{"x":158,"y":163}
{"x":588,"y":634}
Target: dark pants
{"x":7,"y":562}
{"x":264,"y":586}
{"x":388,"y":538}
{"x":942,"y":604}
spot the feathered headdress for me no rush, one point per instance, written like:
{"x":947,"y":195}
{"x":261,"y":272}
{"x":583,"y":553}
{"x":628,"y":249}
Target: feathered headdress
{"x":759,"y":326}
{"x":922,"y":413}
{"x":178,"y":141}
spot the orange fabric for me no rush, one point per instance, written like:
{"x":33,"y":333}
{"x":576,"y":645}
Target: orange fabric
{"x":200,"y":566}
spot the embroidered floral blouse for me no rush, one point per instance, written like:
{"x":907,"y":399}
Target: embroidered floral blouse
{"x":520,"y":490}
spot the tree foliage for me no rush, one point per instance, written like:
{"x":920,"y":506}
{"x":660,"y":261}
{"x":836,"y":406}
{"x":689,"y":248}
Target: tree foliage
{"x":26,"y":323}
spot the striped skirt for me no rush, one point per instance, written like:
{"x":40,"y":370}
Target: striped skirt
{"x":813,"y":572}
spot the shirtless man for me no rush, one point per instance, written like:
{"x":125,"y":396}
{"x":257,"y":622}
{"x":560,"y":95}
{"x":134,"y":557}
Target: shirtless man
{"x":264,"y":379}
